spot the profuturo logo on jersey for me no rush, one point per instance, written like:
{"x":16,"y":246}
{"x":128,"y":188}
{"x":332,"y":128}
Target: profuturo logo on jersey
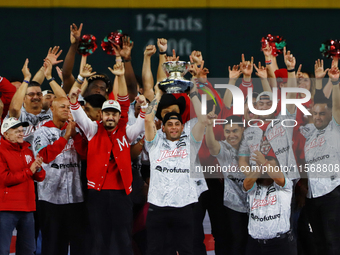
{"x":175,"y":153}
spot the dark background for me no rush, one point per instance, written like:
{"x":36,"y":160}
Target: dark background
{"x":221,"y":34}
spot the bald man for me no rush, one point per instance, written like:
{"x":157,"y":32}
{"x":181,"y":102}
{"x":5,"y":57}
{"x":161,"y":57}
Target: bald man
{"x":60,"y":195}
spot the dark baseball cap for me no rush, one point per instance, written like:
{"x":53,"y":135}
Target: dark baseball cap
{"x":172,"y":116}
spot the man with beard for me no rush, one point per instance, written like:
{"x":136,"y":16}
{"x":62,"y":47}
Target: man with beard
{"x":109,"y":171}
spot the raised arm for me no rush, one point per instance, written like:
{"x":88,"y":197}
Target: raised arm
{"x":334,"y":75}
{"x":150,"y":127}
{"x":88,"y":126}
{"x":212,"y":144}
{"x":162,"y":47}
{"x":68,"y":79}
{"x":85,"y":71}
{"x":290,"y":63}
{"x":39,"y":76}
{"x":147,"y":77}
{"x":52,"y":56}
{"x":246,"y":68}
{"x":251,"y":176}
{"x":58,"y":91}
{"x":118,"y":70}
{"x":133,"y":131}
{"x":261,"y":72}
{"x":234,"y":74}
{"x":327,"y":90}
{"x":269,"y":58}
{"x":130,"y":76}
{"x":320,"y":74}
{"x":262,"y":162}
{"x":18,"y":98}
{"x":198,"y":129}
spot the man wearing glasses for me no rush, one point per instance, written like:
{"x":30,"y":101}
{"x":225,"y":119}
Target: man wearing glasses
{"x":27,"y":102}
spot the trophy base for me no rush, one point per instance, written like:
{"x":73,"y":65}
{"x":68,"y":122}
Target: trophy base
{"x":173,"y":86}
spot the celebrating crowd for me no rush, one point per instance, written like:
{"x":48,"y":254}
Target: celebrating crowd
{"x":119,"y":166}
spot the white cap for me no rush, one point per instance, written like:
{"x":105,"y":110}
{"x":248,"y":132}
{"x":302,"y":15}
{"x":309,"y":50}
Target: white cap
{"x":45,"y":92}
{"x":111,"y":104}
{"x":265,"y":95}
{"x":12,"y":123}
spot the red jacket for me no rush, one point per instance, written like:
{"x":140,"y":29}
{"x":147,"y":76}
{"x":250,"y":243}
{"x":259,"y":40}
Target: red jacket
{"x":100,"y":147}
{"x":16,"y":178}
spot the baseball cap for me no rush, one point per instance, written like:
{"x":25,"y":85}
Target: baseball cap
{"x":265,"y":95}
{"x":45,"y":92}
{"x":12,"y":123}
{"x":111,"y":104}
{"x":172,"y":116}
{"x":170,"y":99}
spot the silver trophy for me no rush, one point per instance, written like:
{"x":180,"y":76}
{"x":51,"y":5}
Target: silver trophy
{"x":175,"y":82}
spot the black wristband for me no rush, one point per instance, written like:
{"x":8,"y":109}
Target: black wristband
{"x":335,"y":82}
{"x":49,"y":80}
{"x":192,"y":94}
{"x":127,"y":60}
{"x":291,"y":70}
{"x":161,"y":53}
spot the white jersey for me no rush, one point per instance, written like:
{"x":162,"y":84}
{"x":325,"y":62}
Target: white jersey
{"x":34,"y":121}
{"x":62,"y":183}
{"x":170,"y":181}
{"x":322,"y":153}
{"x":197,"y":176}
{"x":269,"y":210}
{"x":234,"y":197}
{"x":280,"y":140}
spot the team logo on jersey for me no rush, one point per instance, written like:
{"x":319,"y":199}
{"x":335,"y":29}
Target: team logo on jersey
{"x":175,"y":153}
{"x":122,"y":143}
{"x":275,"y":132}
{"x":318,"y":141}
{"x":28,"y":158}
{"x":270,"y":200}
